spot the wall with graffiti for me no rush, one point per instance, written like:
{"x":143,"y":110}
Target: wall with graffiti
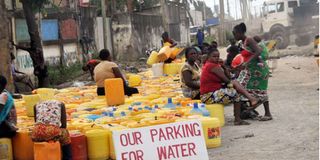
{"x":57,"y":48}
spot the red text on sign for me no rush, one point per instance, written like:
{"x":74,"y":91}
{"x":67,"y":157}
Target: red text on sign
{"x":175,"y":132}
{"x":133,"y":138}
{"x":176,"y":151}
{"x":132,"y":155}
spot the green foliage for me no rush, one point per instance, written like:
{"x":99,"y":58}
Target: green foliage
{"x":38,"y":4}
{"x":198,"y":5}
{"x":229,"y":35}
{"x":61,"y":74}
{"x":210,"y":38}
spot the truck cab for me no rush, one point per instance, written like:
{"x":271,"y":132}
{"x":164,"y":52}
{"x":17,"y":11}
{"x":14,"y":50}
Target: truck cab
{"x":278,"y":12}
{"x":278,"y":20}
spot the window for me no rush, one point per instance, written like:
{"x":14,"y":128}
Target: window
{"x":272,"y":8}
{"x":293,"y":4}
{"x":280,"y":7}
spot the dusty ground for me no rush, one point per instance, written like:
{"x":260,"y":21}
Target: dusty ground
{"x":293,"y":134}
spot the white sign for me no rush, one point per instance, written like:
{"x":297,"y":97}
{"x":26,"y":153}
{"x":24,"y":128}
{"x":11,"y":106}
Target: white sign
{"x":180,"y":140}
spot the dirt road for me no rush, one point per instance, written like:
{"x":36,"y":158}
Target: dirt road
{"x":293,"y":134}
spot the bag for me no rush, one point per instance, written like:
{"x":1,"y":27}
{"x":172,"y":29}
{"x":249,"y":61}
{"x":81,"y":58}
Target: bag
{"x":247,"y":114}
{"x":7,"y":129}
{"x":11,"y":126}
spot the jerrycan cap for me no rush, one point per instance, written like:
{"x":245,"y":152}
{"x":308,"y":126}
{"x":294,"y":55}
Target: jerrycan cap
{"x":146,"y":107}
{"x":195,"y":105}
{"x":136,"y":103}
{"x":169,"y":100}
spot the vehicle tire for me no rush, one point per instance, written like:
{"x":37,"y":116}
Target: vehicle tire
{"x":281,"y":38}
{"x":303,"y":40}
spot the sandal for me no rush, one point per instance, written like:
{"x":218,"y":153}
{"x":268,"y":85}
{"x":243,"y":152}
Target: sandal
{"x":265,"y":118}
{"x":260,"y":101}
{"x":257,"y":118}
{"x":240,"y":123}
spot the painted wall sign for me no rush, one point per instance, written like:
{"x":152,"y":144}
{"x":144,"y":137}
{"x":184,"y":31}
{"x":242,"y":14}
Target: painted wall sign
{"x":49,"y":29}
{"x":68,"y":29}
{"x":22,"y":34}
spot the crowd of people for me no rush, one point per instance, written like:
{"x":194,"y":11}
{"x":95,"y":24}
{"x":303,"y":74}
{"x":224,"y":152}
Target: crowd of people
{"x":243,"y":76}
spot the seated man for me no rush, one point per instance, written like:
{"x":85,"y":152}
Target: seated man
{"x":20,"y":76}
{"x":107,"y":69}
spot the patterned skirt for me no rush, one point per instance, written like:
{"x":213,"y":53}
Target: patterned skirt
{"x":45,"y":133}
{"x":221,"y":96}
{"x":257,"y":87}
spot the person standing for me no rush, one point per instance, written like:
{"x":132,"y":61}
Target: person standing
{"x":254,"y":78}
{"x":19,"y":76}
{"x":166,"y":39}
{"x":200,"y":37}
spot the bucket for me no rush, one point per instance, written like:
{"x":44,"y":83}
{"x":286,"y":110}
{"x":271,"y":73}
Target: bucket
{"x":157,"y":69}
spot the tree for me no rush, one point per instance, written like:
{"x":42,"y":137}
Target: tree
{"x":35,"y":47}
{"x":198,"y":5}
{"x":5,"y":59}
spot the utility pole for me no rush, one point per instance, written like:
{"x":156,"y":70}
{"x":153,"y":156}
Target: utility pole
{"x":244,"y":10}
{"x":204,"y":13}
{"x":164,"y":11}
{"x":104,"y":16}
{"x":222,"y":30}
{"x":236,"y":4}
{"x":228,"y":8}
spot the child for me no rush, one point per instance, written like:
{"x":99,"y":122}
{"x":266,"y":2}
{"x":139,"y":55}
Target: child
{"x":247,"y":55}
{"x":90,"y":66}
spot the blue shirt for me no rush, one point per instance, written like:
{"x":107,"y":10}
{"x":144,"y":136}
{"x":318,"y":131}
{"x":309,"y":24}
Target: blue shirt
{"x":200,"y":37}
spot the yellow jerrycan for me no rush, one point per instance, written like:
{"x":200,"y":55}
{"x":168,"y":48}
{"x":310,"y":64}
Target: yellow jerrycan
{"x":5,"y":149}
{"x":211,"y":131}
{"x":114,"y":91}
{"x":217,"y":111}
{"x":98,"y":144}
{"x":30,"y":101}
{"x":153,"y":58}
{"x":110,"y":128}
{"x":46,"y":93}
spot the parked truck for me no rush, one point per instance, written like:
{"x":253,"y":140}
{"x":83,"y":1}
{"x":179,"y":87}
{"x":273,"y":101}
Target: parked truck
{"x":284,"y":18}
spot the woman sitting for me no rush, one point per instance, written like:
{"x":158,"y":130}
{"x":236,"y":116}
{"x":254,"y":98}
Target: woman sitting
{"x":51,"y":125}
{"x":8,"y":115}
{"x":190,"y":75}
{"x":107,"y":69}
{"x":216,"y":86}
